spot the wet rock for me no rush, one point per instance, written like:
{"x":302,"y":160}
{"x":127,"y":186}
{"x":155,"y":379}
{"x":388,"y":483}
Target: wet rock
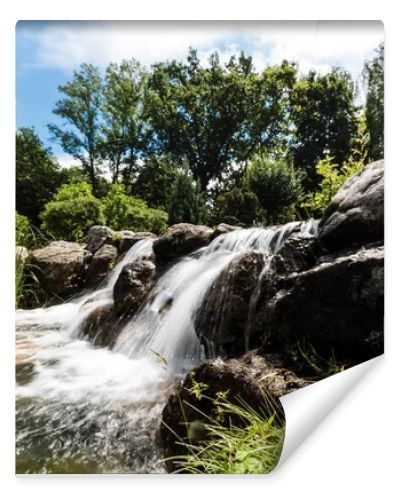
{"x":133,"y":286}
{"x":223,"y":229}
{"x":60,"y":267}
{"x":221,"y":320}
{"x":97,"y":237}
{"x":250,"y":379}
{"x":336,"y":305}
{"x":126,"y":239}
{"x":102,"y":262}
{"x":179,"y":240}
{"x":101,"y":327}
{"x":356,"y":212}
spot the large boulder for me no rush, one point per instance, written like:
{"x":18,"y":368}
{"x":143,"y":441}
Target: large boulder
{"x":97,"y":237}
{"x":60,"y":267}
{"x":356,"y":213}
{"x":126,"y":239}
{"x":180,"y":240}
{"x":221,"y":320}
{"x":102,"y":262}
{"x":133,"y":285}
{"x":250,"y":380}
{"x":336,"y":305}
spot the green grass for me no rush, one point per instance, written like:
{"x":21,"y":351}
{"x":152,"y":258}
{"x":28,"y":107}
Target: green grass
{"x":314,"y":366}
{"x":251,"y":445}
{"x":26,"y":282}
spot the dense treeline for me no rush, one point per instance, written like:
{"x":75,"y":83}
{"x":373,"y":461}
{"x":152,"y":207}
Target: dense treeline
{"x":183,"y":142}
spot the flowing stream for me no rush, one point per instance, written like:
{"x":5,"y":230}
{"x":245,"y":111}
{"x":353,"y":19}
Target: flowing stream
{"x":85,"y":409}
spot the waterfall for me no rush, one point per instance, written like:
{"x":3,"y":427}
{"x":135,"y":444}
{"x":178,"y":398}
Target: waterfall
{"x":100,"y":407}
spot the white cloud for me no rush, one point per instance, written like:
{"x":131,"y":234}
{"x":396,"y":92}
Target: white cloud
{"x":319,"y":45}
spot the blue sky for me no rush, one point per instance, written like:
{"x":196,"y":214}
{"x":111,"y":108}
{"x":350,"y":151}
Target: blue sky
{"x":47,"y":52}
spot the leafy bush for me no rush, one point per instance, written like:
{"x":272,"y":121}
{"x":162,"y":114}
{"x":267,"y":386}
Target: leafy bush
{"x":122,"y":211}
{"x":238,"y":206}
{"x":72,"y":211}
{"x":22,"y":230}
{"x":277,"y":185}
{"x":186,"y":203}
{"x":332,"y":178}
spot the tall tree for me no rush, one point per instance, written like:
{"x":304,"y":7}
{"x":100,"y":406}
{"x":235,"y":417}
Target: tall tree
{"x":325,"y":120}
{"x":38,"y":175}
{"x":217,"y":115}
{"x":81,"y":109}
{"x":373,"y":75}
{"x":123,"y":127}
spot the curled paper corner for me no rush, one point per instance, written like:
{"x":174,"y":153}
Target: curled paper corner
{"x":305,"y":409}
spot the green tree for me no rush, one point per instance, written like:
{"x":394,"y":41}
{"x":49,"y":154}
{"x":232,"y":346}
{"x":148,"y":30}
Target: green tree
{"x":373,"y":75}
{"x":72,"y":212}
{"x":238,"y":206}
{"x":186,"y":202}
{"x":122,"y":211}
{"x":123,"y":129}
{"x":216,"y":115}
{"x":38,"y":175}
{"x":154,"y":182}
{"x":277,"y":185}
{"x":325,"y":120}
{"x":81,"y":109}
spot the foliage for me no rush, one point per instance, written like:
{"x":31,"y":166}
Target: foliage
{"x":123,"y":129}
{"x":37,"y":174}
{"x":216,"y":115}
{"x":81,"y":108}
{"x":186,"y":201}
{"x":122,"y":211}
{"x":26,"y":236}
{"x":72,"y":211}
{"x":238,"y":206}
{"x":277,"y":185}
{"x":373,"y":75}
{"x":21,"y":229}
{"x":312,"y":365}
{"x":324,"y":118}
{"x":333,"y":177}
{"x":154,"y":182}
{"x":240,"y":440}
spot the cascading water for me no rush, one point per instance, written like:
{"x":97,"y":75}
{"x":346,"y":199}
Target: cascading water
{"x":82,"y":408}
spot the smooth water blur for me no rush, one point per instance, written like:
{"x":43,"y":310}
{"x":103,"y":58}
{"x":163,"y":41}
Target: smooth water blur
{"x":82,"y":408}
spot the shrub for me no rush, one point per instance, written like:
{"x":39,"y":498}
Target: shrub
{"x":332,"y":178}
{"x":238,"y":206}
{"x":72,"y":212}
{"x":122,"y":211}
{"x":277,"y":185}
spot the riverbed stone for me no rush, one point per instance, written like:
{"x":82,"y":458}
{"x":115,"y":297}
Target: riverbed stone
{"x":102,"y":262}
{"x":180,"y":240}
{"x":60,"y":267}
{"x":126,"y":239}
{"x":98,"y":236}
{"x":133,"y":286}
{"x":221,"y":320}
{"x":337,"y":306}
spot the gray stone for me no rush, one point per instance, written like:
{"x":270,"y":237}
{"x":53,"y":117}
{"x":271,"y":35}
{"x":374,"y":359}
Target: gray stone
{"x":356,"y":213}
